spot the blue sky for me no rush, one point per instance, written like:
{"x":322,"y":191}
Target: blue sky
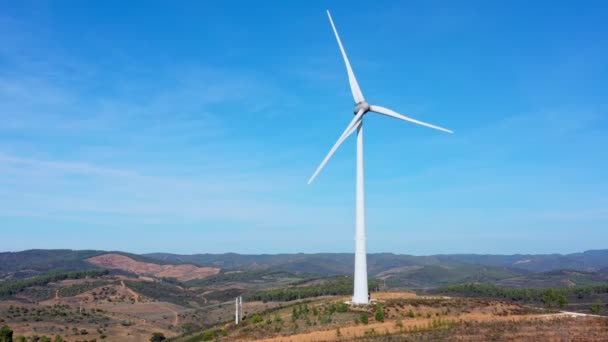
{"x":146,"y":126}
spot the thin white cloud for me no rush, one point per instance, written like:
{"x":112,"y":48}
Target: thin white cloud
{"x":84,"y":192}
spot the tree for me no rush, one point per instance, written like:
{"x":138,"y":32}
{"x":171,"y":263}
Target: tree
{"x":562,"y":301}
{"x":597,"y":307}
{"x":157,"y":337}
{"x":549,"y":298}
{"x":379,"y":313}
{"x":6,"y":334}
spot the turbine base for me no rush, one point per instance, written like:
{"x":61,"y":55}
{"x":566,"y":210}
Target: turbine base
{"x":353,"y":303}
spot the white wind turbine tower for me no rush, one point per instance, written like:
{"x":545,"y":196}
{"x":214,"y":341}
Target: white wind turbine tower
{"x":360,"y":295}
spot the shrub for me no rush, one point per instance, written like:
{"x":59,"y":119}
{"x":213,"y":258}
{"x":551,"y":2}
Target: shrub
{"x":379,"y":313}
{"x":597,"y":307}
{"x":6,"y":334}
{"x":256,"y":319}
{"x":562,"y":301}
{"x":341,"y":307}
{"x":363,"y":318}
{"x":157,"y":337}
{"x":325,"y":318}
{"x":208,"y":335}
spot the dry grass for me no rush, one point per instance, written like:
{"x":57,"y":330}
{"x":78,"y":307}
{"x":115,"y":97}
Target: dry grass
{"x":412,"y":318}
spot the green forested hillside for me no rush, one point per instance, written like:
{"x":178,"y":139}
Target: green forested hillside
{"x":11,"y":287}
{"x":396,"y":270}
{"x":342,"y":263}
{"x":437,"y":275}
{"x":36,"y":261}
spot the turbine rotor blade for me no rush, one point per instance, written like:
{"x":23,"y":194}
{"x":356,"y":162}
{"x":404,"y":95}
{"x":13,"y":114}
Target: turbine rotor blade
{"x":347,"y":132}
{"x":354,"y":86}
{"x":353,"y":128}
{"x":391,"y":113}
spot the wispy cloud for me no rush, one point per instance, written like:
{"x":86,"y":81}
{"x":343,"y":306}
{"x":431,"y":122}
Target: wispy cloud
{"x":86,"y":192}
{"x":143,"y":146}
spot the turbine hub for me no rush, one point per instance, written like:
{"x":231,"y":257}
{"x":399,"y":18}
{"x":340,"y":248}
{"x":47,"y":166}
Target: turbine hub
{"x":362,"y":105}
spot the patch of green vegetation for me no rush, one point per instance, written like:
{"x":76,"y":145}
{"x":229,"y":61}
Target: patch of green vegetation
{"x":58,"y":313}
{"x":157,"y":337}
{"x":341,"y":307}
{"x":255,"y":319}
{"x":76,"y":289}
{"x":164,"y":292}
{"x":549,"y":296}
{"x":363,"y":318}
{"x":224,"y":295}
{"x":6,"y":334}
{"x":379,"y":313}
{"x":597,"y":307}
{"x":342,"y":286}
{"x":205,"y":336}
{"x":11,"y":287}
{"x":437,"y":275}
{"x":47,"y":260}
{"x":256,"y":277}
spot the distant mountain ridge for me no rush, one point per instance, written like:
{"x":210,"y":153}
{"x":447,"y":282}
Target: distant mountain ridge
{"x":593,"y":260}
{"x":36,"y":261}
{"x":397,"y":270}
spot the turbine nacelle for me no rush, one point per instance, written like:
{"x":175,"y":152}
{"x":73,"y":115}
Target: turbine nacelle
{"x":363,"y":105}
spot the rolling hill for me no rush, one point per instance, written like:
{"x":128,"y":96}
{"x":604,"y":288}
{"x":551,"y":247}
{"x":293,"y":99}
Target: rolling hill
{"x":397,"y":270}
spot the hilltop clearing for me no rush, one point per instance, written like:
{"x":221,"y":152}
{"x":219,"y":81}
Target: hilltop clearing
{"x":184,"y":272}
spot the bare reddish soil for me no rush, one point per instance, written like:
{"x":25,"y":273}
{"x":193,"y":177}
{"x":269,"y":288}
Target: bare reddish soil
{"x":179,"y":272}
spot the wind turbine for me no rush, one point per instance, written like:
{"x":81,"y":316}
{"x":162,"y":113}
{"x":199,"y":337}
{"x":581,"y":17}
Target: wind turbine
{"x":360,"y":295}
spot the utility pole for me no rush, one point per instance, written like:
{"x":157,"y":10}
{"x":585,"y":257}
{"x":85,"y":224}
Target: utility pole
{"x":241,"y":307}
{"x":236,"y":313}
